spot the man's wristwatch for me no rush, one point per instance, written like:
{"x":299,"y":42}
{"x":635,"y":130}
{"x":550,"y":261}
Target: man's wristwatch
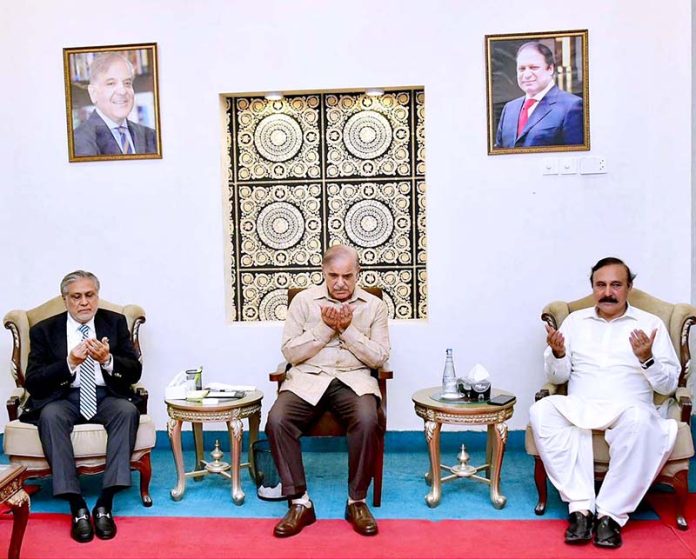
{"x":648,"y":363}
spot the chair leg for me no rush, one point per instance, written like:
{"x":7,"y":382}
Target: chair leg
{"x":540,"y":481}
{"x":681,"y":491}
{"x":144,"y":466}
{"x":377,"y":476}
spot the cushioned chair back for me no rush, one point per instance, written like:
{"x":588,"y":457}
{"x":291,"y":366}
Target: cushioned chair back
{"x":672,"y":315}
{"x":292,"y":291}
{"x":22,"y":321}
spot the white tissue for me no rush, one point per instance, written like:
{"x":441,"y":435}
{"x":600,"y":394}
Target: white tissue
{"x":176,"y":389}
{"x":477,"y":373}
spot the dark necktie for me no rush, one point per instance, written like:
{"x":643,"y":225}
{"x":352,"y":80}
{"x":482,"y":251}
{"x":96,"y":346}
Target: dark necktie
{"x":88,"y":386}
{"x":125,"y":144}
{"x":524,"y":116}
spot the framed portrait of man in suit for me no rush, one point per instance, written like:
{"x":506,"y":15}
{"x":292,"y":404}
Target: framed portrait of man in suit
{"x":112,"y":102}
{"x":538,"y":92}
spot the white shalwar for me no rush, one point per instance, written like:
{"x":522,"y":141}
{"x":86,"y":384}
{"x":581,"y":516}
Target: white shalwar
{"x":607,"y":389}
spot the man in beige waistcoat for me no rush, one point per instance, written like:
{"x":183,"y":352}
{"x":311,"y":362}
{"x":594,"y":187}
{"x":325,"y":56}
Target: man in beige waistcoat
{"x":334,"y":334}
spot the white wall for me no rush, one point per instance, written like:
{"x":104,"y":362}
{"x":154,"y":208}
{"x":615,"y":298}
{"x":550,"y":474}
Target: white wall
{"x":503,"y":239}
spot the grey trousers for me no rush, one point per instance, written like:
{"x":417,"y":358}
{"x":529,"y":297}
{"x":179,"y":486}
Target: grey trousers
{"x":119,"y":417}
{"x":291,"y":416}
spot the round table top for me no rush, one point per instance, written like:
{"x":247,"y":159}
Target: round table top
{"x":252,"y":397}
{"x":460,"y":407}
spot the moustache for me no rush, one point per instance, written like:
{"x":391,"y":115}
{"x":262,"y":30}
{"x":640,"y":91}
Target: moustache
{"x":608,"y":300}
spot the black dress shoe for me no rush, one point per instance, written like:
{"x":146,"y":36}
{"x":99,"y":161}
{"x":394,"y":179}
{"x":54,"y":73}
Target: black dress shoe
{"x":297,"y":517}
{"x":579,"y":528}
{"x":360,"y":517}
{"x":607,"y":533}
{"x":104,"y":524}
{"x":81,"y":530}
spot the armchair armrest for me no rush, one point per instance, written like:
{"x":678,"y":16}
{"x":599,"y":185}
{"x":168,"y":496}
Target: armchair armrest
{"x":550,"y":389}
{"x":683,"y":398}
{"x":279,"y":374}
{"x":143,"y":395}
{"x":14,"y":401}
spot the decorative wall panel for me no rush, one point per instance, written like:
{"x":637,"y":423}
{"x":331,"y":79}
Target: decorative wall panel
{"x":311,"y":171}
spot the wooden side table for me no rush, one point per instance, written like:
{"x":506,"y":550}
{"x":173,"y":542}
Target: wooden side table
{"x":435,"y":413}
{"x":12,"y":494}
{"x":226,"y":410}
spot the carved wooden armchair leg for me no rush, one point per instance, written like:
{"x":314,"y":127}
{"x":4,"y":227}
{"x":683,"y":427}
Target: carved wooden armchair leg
{"x":144,"y":466}
{"x":681,"y":491}
{"x":540,"y":481}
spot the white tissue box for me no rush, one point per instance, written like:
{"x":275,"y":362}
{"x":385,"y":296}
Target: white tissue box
{"x":175,"y":392}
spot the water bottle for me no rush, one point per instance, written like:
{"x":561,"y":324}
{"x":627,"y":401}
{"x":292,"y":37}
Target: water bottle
{"x":449,"y":379}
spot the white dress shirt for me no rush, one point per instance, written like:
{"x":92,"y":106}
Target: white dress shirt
{"x":113,"y":128}
{"x":539,"y":96}
{"x":74,"y":339}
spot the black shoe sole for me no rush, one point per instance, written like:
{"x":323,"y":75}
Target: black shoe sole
{"x":82,"y":540}
{"x":607,"y":545}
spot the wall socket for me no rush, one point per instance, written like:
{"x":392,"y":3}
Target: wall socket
{"x":593,"y":166}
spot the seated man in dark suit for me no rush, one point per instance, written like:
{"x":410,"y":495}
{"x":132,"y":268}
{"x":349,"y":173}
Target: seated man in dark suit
{"x":545,"y":115}
{"x":334,"y":334}
{"x":81,"y":367}
{"x":108,"y":130}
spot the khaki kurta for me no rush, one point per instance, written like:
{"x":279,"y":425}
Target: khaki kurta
{"x":318,"y":354}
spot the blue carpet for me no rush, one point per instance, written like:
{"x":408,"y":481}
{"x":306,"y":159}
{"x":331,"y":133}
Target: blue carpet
{"x":404,"y":490}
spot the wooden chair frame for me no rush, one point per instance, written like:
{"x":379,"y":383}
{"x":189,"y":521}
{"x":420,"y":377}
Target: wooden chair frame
{"x":328,"y":425}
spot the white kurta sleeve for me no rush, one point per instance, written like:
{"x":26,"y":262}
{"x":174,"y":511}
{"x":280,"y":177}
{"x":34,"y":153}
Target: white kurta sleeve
{"x":558,"y":370}
{"x":663,"y":375}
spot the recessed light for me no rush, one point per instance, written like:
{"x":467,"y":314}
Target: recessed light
{"x":274,"y":95}
{"x":374,"y":92}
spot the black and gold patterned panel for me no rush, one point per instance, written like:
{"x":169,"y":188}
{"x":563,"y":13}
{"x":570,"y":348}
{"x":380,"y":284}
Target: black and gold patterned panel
{"x":311,"y":171}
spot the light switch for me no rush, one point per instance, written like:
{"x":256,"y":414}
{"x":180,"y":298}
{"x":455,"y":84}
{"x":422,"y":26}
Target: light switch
{"x":568,"y":166}
{"x":549,"y":166}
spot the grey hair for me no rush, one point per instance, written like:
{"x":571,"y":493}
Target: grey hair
{"x":337,"y":251}
{"x":74,"y":276}
{"x":103,"y":61}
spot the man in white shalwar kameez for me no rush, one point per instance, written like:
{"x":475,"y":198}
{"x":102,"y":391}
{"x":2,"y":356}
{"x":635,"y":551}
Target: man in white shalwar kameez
{"x":613,"y":357}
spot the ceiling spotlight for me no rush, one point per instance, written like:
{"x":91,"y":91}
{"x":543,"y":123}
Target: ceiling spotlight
{"x":374,"y":92}
{"x":274,"y":95}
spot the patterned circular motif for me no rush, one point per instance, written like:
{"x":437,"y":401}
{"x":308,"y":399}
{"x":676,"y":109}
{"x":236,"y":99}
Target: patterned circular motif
{"x":274,"y":305}
{"x":278,"y":137}
{"x":369,"y":223}
{"x":280,"y":225}
{"x":367,"y":135}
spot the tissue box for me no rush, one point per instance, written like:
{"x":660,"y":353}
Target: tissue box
{"x":175,"y":392}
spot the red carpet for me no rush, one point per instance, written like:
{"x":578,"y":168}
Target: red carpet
{"x":47,"y":537}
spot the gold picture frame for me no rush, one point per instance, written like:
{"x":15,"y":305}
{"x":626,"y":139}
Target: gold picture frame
{"x":112,"y":102}
{"x":518,"y":67}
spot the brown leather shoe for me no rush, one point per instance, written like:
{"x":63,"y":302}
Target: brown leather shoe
{"x":359,"y":515}
{"x":297,"y":517}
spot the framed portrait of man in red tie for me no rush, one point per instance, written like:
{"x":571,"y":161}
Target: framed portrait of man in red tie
{"x":112,"y":102}
{"x":538,"y":92}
